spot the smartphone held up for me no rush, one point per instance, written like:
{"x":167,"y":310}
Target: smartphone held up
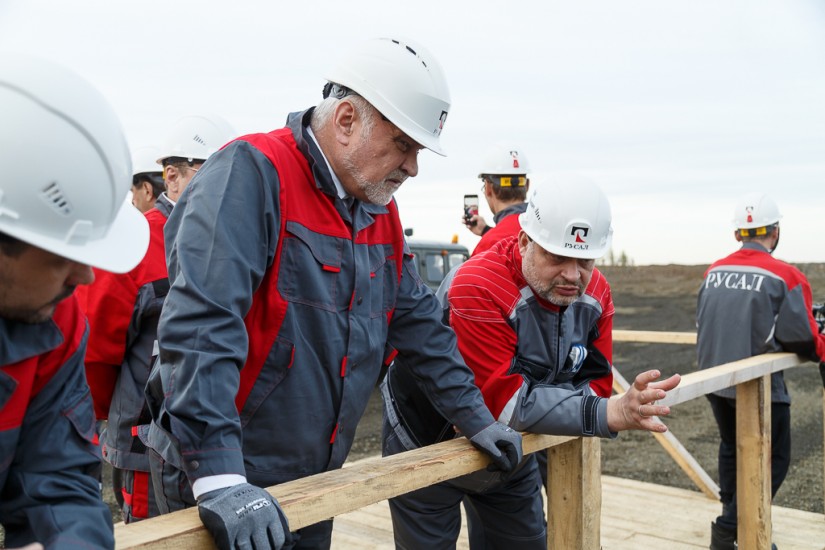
{"x":470,"y":209}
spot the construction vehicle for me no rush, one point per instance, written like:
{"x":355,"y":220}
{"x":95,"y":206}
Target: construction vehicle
{"x":434,"y":259}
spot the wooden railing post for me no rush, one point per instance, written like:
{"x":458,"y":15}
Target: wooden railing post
{"x":753,"y":463}
{"x":574,"y":494}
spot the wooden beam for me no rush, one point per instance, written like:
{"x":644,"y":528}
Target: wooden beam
{"x":574,"y":494}
{"x":702,"y":382}
{"x":654,"y":337}
{"x":311,"y":499}
{"x":753,"y":463}
{"x":675,"y":449}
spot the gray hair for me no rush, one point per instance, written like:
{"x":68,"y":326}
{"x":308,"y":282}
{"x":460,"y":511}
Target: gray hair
{"x":323,"y":113}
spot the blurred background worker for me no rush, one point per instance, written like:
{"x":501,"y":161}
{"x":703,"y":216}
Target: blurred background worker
{"x":533,"y":320}
{"x":289,"y":277}
{"x":504,"y":185}
{"x":123,"y":311}
{"x":63,"y":208}
{"x":191,"y":140}
{"x":750,"y":303}
{"x":147,"y":178}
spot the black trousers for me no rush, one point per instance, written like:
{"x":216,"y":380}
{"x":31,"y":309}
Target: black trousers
{"x":724,"y":411}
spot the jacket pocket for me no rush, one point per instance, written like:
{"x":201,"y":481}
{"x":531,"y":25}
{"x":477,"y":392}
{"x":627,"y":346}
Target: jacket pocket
{"x":310,"y":268}
{"x":383,"y":280}
{"x":277,"y":365}
{"x":81,"y":416}
{"x":533,"y":372}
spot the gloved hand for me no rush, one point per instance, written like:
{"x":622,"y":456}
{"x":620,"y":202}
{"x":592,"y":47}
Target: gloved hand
{"x":822,"y":373}
{"x":502,"y":443}
{"x":243,"y":517}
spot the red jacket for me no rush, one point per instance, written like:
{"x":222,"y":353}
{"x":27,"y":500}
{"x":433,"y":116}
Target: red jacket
{"x":516,"y":343}
{"x":506,"y":227}
{"x":123,"y":311}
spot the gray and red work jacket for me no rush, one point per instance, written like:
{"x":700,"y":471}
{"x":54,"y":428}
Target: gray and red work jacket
{"x":282,"y":303}
{"x":519,"y":347}
{"x":123,"y":311}
{"x":750,"y":303}
{"x":49,"y":460}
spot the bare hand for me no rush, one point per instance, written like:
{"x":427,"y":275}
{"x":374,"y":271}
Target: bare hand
{"x":32,"y":546}
{"x":636,"y":409}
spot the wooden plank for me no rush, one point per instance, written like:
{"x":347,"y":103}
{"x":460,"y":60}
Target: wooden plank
{"x":654,"y":337}
{"x":574,"y":494}
{"x":675,"y":449}
{"x":314,"y":498}
{"x":703,"y":382}
{"x":753,"y":463}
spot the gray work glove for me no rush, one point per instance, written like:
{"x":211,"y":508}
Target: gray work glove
{"x":502,"y":443}
{"x":243,"y":517}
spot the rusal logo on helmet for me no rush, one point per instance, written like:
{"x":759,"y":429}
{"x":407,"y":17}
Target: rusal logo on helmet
{"x":441,"y":120}
{"x":514,"y":155}
{"x":577,"y":237}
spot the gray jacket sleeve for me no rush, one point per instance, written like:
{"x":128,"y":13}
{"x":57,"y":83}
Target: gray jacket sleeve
{"x":220,"y":238}
{"x":796,"y":327}
{"x":418,"y":332}
{"x":558,"y":410}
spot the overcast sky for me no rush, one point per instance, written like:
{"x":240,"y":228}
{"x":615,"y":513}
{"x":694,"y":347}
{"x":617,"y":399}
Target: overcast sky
{"x":674,"y":108}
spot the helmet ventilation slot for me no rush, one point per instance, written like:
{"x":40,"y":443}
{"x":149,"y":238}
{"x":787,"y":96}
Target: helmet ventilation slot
{"x":54,"y":197}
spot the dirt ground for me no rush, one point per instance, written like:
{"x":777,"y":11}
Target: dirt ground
{"x":664,"y":298}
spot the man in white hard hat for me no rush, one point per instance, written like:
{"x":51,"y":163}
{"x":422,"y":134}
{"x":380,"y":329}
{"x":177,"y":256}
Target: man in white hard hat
{"x":147,"y":178}
{"x":191,"y":140}
{"x":123,"y":311}
{"x":50,"y":235}
{"x":520,"y":312}
{"x":750,"y":303}
{"x":504,"y":184}
{"x":290,"y":277}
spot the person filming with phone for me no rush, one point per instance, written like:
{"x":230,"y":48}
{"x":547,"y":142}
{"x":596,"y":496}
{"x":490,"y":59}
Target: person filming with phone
{"x":504,"y":184}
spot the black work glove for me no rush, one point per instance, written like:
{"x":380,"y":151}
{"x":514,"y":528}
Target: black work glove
{"x":502,"y":443}
{"x":822,"y":373}
{"x":244,"y":517}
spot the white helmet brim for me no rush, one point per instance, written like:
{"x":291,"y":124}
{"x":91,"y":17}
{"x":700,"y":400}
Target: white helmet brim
{"x":119,"y":251}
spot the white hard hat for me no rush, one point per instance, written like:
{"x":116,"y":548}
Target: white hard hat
{"x":144,"y":161}
{"x":403,"y":81}
{"x":196,"y":137}
{"x":755,"y":210}
{"x":67,"y":168}
{"x":568,"y":216}
{"x":504,"y":159}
